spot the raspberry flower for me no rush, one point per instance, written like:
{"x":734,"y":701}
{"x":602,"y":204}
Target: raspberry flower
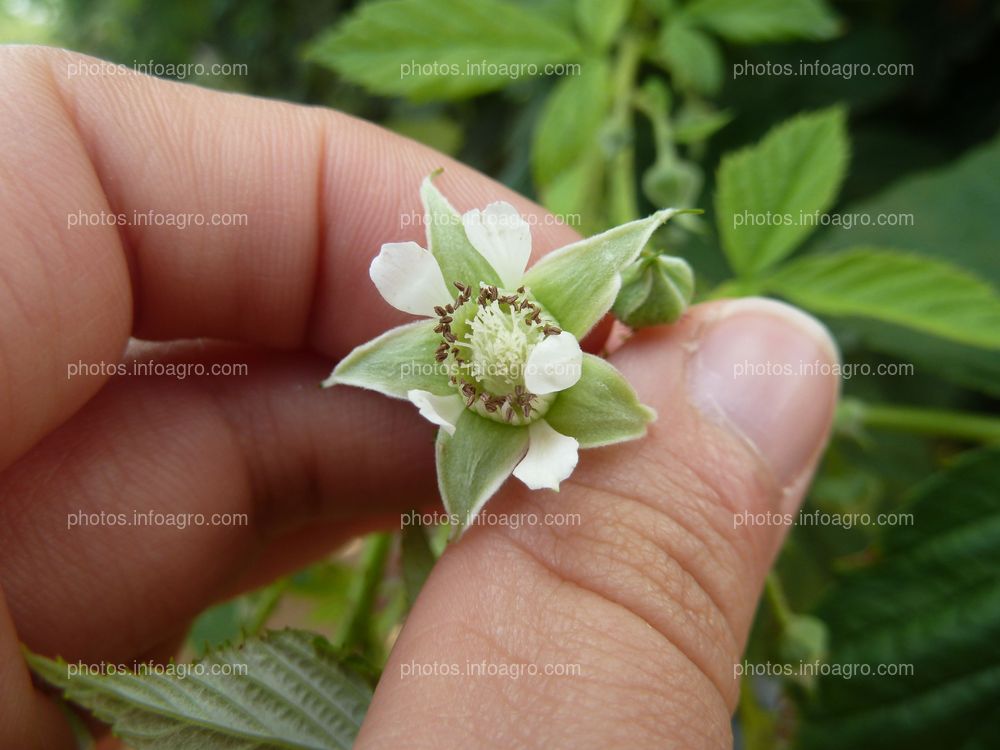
{"x":496,"y":362}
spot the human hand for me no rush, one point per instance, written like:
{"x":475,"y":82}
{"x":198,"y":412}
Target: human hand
{"x":646,"y":601}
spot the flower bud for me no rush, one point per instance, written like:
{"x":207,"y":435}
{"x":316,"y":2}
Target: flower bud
{"x":655,"y":290}
{"x":672,"y":182}
{"x":804,"y":640}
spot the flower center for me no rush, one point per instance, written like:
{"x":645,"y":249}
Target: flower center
{"x":487,"y":343}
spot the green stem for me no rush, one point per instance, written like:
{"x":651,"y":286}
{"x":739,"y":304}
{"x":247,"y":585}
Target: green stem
{"x":624,"y":199}
{"x":264,"y":605}
{"x":356,"y":627}
{"x":934,"y":422}
{"x":776,"y":598}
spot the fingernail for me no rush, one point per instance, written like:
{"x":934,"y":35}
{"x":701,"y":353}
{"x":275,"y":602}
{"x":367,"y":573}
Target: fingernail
{"x":768,"y":371}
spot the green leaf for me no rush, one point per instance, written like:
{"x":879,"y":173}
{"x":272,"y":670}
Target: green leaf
{"x":933,"y":603}
{"x":601,"y":409}
{"x":447,"y":49}
{"x":578,"y":283}
{"x":692,"y":57}
{"x":437,"y":131}
{"x":235,"y":619}
{"x":582,"y":100}
{"x":400,"y":359}
{"x":765,"y":20}
{"x":697,"y":122}
{"x":765,"y":190}
{"x":474,"y":462}
{"x":292,"y":694}
{"x":447,"y":241}
{"x":416,"y":558}
{"x":971,"y":367}
{"x":601,"y":20}
{"x":948,"y":213}
{"x":908,"y":290}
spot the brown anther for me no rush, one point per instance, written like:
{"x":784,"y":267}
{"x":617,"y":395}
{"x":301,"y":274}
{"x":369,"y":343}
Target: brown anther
{"x":438,"y":310}
{"x":551,"y":330}
{"x":449,"y":309}
{"x":441,"y":356}
{"x":449,"y":337}
{"x":526,"y":408}
{"x":520,"y":290}
{"x":447,"y":319}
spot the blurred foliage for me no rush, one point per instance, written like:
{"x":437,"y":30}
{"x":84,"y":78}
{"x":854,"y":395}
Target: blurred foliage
{"x":665,"y":107}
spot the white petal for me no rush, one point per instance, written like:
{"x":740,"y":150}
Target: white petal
{"x":503,"y":238}
{"x":554,"y":364}
{"x":443,"y":411}
{"x":551,"y":457}
{"x":409,"y":278}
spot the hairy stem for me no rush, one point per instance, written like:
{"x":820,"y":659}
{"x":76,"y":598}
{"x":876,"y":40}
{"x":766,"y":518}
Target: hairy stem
{"x":920,"y":421}
{"x":624,"y":200}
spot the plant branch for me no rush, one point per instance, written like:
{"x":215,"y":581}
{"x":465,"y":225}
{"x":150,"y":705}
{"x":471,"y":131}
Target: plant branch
{"x":624,"y":200}
{"x":920,"y":421}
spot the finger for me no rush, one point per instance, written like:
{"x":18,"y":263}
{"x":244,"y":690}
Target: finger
{"x":30,"y":721}
{"x":107,"y":508}
{"x":634,"y":617}
{"x":319,"y":191}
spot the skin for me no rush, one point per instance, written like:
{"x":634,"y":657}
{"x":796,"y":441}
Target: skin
{"x":651,"y":595}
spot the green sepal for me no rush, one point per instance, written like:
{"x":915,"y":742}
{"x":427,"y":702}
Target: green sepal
{"x":654,"y":291}
{"x":448,"y":243}
{"x":601,"y":409}
{"x":578,"y":284}
{"x":400,"y":359}
{"x":473,"y":463}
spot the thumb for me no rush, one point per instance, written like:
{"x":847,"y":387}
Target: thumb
{"x":617,"y":617}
